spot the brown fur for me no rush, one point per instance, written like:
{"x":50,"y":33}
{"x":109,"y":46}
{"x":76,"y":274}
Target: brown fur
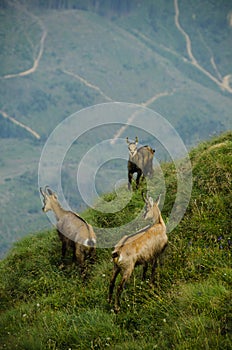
{"x":73,"y":230}
{"x":140,"y":248}
{"x":140,"y":161}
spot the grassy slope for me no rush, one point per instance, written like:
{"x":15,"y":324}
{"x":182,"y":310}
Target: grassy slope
{"x":44,"y":307}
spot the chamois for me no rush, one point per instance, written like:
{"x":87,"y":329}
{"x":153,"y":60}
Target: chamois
{"x":140,"y":248}
{"x":140,"y":161}
{"x":72,"y":229}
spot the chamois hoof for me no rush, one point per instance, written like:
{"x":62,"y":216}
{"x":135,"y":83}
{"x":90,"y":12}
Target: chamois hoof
{"x":61,"y":266}
{"x":116,"y":309}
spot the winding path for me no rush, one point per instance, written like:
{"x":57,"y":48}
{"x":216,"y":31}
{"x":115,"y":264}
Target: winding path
{"x":88,"y":84}
{"x":41,"y":45}
{"x":36,"y":61}
{"x":27,"y":128}
{"x":27,"y":72}
{"x":222,"y":83}
{"x":133,"y":115}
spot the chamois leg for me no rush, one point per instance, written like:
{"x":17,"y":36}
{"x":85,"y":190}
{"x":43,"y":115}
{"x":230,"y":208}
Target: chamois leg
{"x":139,"y":173}
{"x":92,"y":255}
{"x":112,"y":282}
{"x":64,"y":244}
{"x":145,"y":267}
{"x":80,"y":258}
{"x":125,"y":278}
{"x":161,"y":257}
{"x":130,"y":176}
{"x":74,"y":252}
{"x":88,"y":259}
{"x":154,"y":266}
{"x":63,"y":250}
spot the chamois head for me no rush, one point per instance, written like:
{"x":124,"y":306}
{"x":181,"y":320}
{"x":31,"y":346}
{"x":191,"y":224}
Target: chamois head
{"x":49,"y":197}
{"x":151,"y":210}
{"x":132,"y":146}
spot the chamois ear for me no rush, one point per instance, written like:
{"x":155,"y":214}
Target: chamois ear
{"x":157,"y":201}
{"x":42,"y":192}
{"x":136,"y":140}
{"x":49,"y":191}
{"x":127,"y":140}
{"x":145,"y":196}
{"x":151,"y":202}
{"x":52,"y":193}
{"x":46,"y":189}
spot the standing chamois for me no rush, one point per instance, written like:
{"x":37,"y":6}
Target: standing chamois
{"x":140,"y":248}
{"x":140,"y":161}
{"x":73,"y":230}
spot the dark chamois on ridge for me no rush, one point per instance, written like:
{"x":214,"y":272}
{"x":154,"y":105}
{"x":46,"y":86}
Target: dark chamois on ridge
{"x":140,"y":161}
{"x":73,"y":230}
{"x":141,"y":248}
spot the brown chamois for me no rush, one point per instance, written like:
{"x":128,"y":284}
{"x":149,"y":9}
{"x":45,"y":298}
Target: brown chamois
{"x":140,"y":161}
{"x":140,"y":248}
{"x":73,"y":230}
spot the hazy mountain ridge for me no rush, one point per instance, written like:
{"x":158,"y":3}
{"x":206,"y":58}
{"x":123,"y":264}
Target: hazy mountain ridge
{"x":100,"y":64}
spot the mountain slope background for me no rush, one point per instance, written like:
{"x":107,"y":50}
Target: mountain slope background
{"x":58,"y":57}
{"x":45,"y":306}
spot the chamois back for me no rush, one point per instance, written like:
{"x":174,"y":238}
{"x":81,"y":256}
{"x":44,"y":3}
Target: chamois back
{"x":141,"y":248}
{"x":72,"y":229}
{"x":140,"y":161}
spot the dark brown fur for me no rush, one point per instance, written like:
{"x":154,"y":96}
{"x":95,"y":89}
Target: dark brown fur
{"x":140,"y":162}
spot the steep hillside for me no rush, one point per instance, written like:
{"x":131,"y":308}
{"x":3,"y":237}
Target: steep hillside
{"x":54,"y":63}
{"x":58,"y":57}
{"x":46,"y":307}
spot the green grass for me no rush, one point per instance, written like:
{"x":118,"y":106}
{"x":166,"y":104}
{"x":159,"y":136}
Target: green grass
{"x":44,"y":306}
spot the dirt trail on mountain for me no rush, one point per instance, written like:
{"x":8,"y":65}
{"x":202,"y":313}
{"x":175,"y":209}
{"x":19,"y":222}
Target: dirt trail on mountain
{"x":156,"y":97}
{"x":27,"y":128}
{"x":222,"y":83}
{"x":35,"y":64}
{"x":136,"y":113}
{"x":27,"y":72}
{"x":226,"y":81}
{"x":87,"y":83}
{"x":131,"y":118}
{"x":40,"y":53}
